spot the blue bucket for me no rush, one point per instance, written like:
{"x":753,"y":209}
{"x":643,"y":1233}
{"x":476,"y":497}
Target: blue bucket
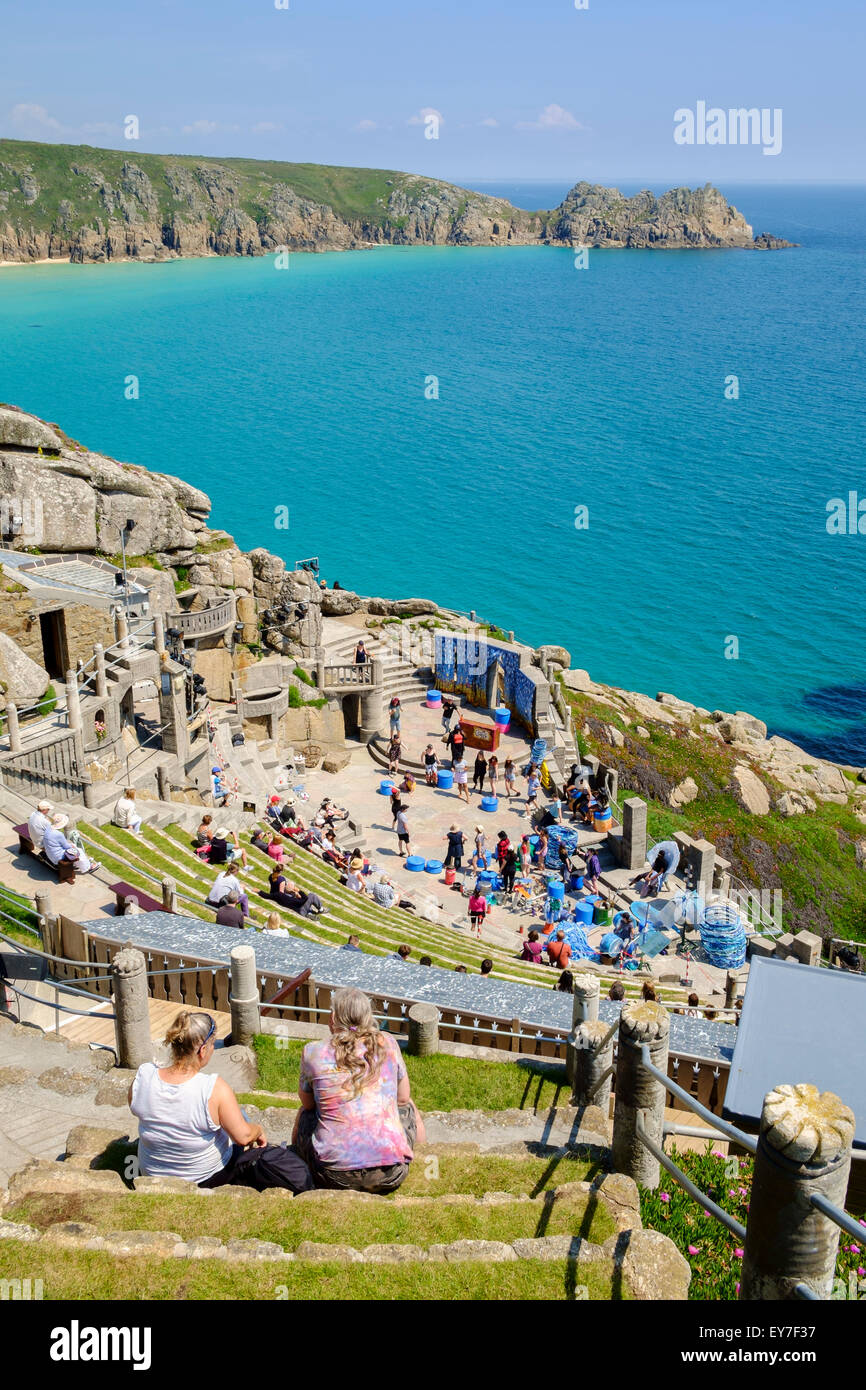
{"x":575,"y":883}
{"x":445,"y":778}
{"x":502,"y":716}
{"x":434,"y":698}
{"x":583,"y":912}
{"x":556,"y":890}
{"x":415,"y":864}
{"x":385,"y":787}
{"x":433,"y":866}
{"x":489,"y":803}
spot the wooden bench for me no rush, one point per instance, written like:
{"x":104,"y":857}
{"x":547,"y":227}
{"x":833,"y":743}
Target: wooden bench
{"x":122,"y":891}
{"x":65,"y":870}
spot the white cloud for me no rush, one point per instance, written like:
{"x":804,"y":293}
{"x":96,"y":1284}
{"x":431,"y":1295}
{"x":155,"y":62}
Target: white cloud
{"x":27,"y":116}
{"x":553,"y":117}
{"x":421,"y":116}
{"x":201,"y":128}
{"x":489,"y":121}
{"x":267,"y":127}
{"x":367,"y":125}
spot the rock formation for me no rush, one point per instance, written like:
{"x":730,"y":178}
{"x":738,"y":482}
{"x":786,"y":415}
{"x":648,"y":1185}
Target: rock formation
{"x":100,"y":205}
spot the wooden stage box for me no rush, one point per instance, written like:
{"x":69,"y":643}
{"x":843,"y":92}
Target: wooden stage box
{"x":479,"y":734}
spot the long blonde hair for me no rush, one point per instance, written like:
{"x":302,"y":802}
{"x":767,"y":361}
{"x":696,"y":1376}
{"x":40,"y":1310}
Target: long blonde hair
{"x":354,"y":1023}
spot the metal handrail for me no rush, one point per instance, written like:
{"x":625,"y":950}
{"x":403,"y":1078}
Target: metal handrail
{"x":659,"y":1154}
{"x":62,"y":1008}
{"x":730,"y":1131}
{"x":839,"y":1217}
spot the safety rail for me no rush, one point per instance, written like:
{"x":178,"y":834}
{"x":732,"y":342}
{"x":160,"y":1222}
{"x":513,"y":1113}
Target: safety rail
{"x":777,"y":1252}
{"x":124,"y":647}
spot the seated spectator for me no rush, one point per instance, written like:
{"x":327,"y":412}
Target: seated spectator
{"x":355,"y":879}
{"x":353,"y":944}
{"x":407,"y":786}
{"x":358,"y":1125}
{"x":425,"y":960}
{"x":290,"y":895}
{"x":225,"y":883}
{"x":402,"y":953}
{"x":56,"y":847}
{"x":190,"y":1124}
{"x":616,"y":992}
{"x":331,"y":812}
{"x":531,"y":949}
{"x":223,"y":852}
{"x":710,"y":1015}
{"x":649,"y":882}
{"x":230,"y":913}
{"x":486,"y":967}
{"x":648,"y":993}
{"x":280,"y":814}
{"x":332,"y":854}
{"x":203,"y":837}
{"x":693,"y":1011}
{"x":125,"y":816}
{"x":565,"y":983}
{"x":275,"y":849}
{"x":461,"y":970}
{"x":558,"y":950}
{"x":260,"y":839}
{"x":384,"y":892}
{"x":274,"y":925}
{"x":39,"y":822}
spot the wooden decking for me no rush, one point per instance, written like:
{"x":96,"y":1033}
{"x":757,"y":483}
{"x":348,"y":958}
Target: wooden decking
{"x":94,"y":1029}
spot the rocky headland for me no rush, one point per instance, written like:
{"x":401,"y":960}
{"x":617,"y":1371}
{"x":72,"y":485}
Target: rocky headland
{"x":91,"y":205}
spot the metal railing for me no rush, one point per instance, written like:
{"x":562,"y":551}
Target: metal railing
{"x":139,"y":637}
{"x":820,"y":1203}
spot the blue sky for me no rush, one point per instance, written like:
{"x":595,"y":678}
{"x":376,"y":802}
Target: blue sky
{"x":536,"y":90}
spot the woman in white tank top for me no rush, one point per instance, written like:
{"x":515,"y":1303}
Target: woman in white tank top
{"x":191,"y":1126}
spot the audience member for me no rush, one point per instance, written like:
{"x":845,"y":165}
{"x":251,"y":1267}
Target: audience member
{"x":531,"y":948}
{"x":230,"y":913}
{"x":353,"y":944}
{"x":57,"y":847}
{"x":125,"y":816}
{"x":616,"y":992}
{"x":39,"y":822}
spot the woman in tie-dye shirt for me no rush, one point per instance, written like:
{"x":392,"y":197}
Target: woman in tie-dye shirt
{"x":358,"y":1124}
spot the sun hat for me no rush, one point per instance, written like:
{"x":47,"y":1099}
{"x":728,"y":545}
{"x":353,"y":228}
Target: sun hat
{"x":59,"y":821}
{"x":222,"y":833}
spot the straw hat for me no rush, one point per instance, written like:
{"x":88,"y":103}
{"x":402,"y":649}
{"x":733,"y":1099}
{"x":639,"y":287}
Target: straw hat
{"x":60,"y":821}
{"x":222,"y":833}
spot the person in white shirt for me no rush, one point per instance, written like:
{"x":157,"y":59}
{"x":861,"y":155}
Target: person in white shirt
{"x":125,"y":816}
{"x":274,"y":927}
{"x":225,"y":883}
{"x":39,"y":823}
{"x":355,"y":881}
{"x":57,"y":847}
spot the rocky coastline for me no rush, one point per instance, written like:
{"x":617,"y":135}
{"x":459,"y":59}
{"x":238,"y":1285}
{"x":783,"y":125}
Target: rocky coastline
{"x":88,"y":206}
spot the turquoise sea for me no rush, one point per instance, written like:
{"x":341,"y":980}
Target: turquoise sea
{"x":558,"y":389}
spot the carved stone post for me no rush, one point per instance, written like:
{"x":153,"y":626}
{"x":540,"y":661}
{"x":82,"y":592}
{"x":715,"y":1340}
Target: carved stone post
{"x":637,"y":1091}
{"x":244,"y":1000}
{"x":101,"y":673}
{"x":12,"y":727}
{"x":132,"y":1014}
{"x":804,"y":1148}
{"x":584,"y":1009}
{"x":593,"y":1063}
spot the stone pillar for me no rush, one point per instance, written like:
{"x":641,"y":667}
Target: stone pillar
{"x":172,"y":711}
{"x":274,"y":728}
{"x":423,"y":1029}
{"x":121,"y":631}
{"x":593,"y":1063}
{"x":158,"y":634}
{"x":634,"y":812}
{"x":244,"y":998}
{"x":88,"y":792}
{"x":320,"y":674}
{"x":43,"y":903}
{"x":372,"y":712}
{"x":804,"y":1148}
{"x":101,"y":674}
{"x":12,"y":727}
{"x":732,"y":985}
{"x":73,"y":701}
{"x":637,"y":1091}
{"x":702,"y":856}
{"x":169,"y":895}
{"x":132,"y":1021}
{"x":584,"y":1009}
{"x":163,"y":783}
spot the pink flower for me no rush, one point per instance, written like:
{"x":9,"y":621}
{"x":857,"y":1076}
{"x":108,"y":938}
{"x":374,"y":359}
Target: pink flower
{"x":861,"y":1271}
{"x":664,"y":1196}
{"x":716,"y":1154}
{"x":744,"y":1192}
{"x":855,"y":1249}
{"x":731,"y":1192}
{"x":738,"y":1253}
{"x":694,"y":1250}
{"x":707,"y":1213}
{"x":737,"y":1289}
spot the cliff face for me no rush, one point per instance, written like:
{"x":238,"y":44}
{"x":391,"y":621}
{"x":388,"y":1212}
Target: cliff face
{"x":99,"y":205}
